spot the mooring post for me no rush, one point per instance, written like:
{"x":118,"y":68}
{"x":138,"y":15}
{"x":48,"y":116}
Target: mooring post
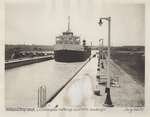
{"x":41,"y":96}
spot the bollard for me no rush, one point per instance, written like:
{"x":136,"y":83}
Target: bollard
{"x":101,"y":57}
{"x":41,"y":96}
{"x":97,"y":86}
{"x":98,"y":63}
{"x":98,"y":78}
{"x":98,"y":69}
{"x":98,"y":74}
{"x":97,"y":90}
{"x":102,"y":65}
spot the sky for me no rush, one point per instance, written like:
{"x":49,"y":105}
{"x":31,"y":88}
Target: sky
{"x":40,"y":21}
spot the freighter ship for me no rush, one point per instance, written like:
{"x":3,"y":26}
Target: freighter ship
{"x":68,"y":47}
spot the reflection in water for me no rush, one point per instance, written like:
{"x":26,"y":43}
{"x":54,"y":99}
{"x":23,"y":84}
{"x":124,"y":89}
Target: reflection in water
{"x":22,"y":83}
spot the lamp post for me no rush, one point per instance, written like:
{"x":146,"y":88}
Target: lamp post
{"x":108,"y":101}
{"x":101,"y":46}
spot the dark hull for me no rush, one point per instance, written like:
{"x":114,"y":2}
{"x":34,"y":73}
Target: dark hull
{"x":71,"y":56}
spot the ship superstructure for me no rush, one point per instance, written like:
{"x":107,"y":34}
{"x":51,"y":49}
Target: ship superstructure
{"x":68,"y":47}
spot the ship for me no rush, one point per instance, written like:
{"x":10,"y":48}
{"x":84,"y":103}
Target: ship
{"x":68,"y":47}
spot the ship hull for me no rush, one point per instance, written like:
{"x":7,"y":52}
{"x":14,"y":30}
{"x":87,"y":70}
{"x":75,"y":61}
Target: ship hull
{"x":71,"y":55}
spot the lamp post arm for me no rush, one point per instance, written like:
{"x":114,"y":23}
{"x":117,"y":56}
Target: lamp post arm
{"x":106,"y":18}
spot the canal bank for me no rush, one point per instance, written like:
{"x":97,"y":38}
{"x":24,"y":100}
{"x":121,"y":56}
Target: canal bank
{"x":80,"y":91}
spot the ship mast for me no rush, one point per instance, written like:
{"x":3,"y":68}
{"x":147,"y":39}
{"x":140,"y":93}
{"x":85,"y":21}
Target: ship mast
{"x":68,"y":23}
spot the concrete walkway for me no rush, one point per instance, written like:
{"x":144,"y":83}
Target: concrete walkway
{"x":80,"y":91}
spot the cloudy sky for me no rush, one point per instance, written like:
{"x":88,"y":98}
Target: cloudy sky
{"x":40,"y":21}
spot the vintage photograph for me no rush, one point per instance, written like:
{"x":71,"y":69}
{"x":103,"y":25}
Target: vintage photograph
{"x":74,"y":54}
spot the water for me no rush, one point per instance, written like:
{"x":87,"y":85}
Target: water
{"x":22,"y":83}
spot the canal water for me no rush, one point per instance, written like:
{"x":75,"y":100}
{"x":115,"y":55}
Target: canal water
{"x":22,"y":83}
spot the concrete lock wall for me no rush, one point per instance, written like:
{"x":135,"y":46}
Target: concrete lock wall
{"x":13,"y":64}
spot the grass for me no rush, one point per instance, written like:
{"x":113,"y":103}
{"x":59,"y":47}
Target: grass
{"x":132,"y":62}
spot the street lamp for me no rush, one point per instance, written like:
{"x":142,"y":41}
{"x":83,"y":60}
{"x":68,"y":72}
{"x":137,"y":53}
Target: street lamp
{"x":108,"y":101}
{"x":101,"y":49}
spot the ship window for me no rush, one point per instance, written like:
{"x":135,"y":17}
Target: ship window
{"x":57,"y":39}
